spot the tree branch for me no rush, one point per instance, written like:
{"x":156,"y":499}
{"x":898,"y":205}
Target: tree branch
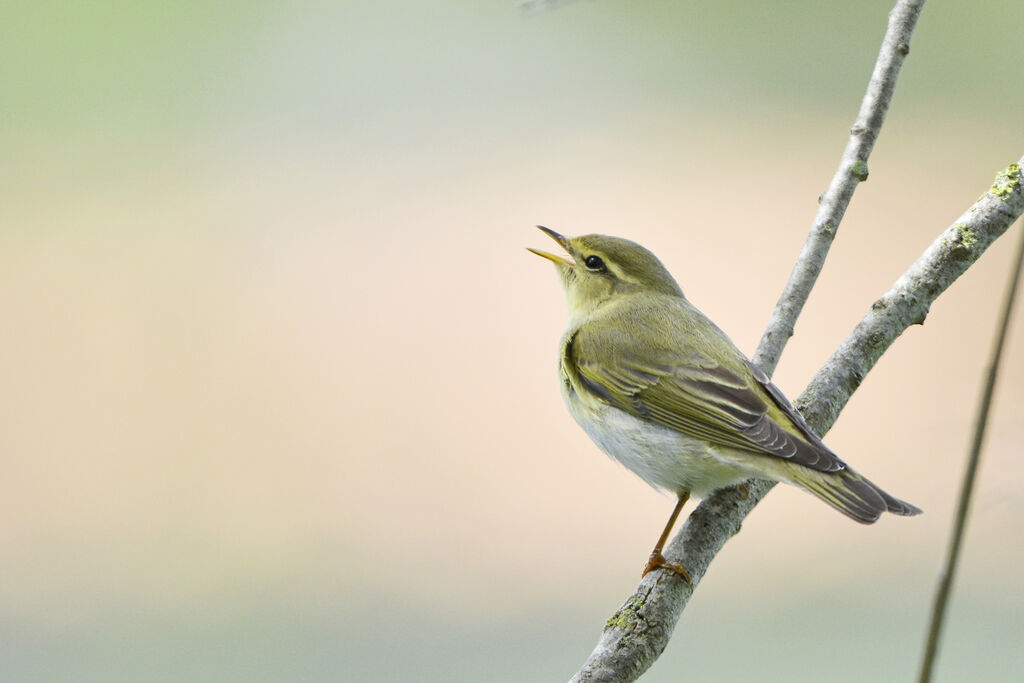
{"x":639,"y":631}
{"x":908,"y":301}
{"x":853,"y":169}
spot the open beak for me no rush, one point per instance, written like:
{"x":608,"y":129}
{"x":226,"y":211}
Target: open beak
{"x":562,"y":242}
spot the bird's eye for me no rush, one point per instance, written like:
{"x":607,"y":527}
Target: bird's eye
{"x":594,"y":263}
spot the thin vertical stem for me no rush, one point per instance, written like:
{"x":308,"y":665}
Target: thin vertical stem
{"x":945,"y":586}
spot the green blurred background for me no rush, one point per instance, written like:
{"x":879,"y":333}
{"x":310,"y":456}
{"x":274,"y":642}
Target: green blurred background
{"x":279,"y":377}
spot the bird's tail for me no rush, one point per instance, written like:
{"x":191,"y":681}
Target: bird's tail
{"x":850,"y":493}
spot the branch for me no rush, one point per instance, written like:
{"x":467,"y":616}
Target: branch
{"x":853,"y":169}
{"x":639,"y":631}
{"x":967,"y":486}
{"x":908,"y":301}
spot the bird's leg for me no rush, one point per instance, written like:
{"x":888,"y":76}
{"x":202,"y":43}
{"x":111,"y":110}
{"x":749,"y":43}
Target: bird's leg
{"x":743,"y":489}
{"x":657,"y":560}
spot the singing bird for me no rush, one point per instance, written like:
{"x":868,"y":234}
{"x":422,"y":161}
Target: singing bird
{"x":660,"y":388}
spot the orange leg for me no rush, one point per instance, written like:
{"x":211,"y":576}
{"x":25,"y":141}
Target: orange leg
{"x":657,"y":560}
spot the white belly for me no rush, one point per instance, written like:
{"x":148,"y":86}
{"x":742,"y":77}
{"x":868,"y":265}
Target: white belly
{"x":663,"y":457}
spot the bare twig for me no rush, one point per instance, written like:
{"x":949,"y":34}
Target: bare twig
{"x":853,"y":169}
{"x":967,"y":486}
{"x":638,"y":632}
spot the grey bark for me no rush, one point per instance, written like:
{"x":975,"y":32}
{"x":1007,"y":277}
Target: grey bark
{"x":853,"y":169}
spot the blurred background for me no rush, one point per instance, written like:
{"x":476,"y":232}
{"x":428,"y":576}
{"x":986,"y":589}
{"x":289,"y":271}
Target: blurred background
{"x":280,"y":399}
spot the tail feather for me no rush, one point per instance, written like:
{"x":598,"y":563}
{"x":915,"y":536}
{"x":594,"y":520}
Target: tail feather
{"x":897,"y":506}
{"x":851,"y":494}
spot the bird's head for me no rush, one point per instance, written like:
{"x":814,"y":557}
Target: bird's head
{"x":600,"y":268}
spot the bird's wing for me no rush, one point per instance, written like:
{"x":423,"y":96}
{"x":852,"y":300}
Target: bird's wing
{"x":695,"y":395}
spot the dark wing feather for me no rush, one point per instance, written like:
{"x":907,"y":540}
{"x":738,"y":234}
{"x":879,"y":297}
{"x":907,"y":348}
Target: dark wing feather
{"x":697,"y":397}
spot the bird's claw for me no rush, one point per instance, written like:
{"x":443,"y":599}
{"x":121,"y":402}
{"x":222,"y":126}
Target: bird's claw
{"x":658,"y":561}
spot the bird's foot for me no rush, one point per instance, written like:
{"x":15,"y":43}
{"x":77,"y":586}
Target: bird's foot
{"x":658,"y":561}
{"x":744,"y":490}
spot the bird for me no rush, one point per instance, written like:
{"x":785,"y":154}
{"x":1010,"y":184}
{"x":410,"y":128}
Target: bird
{"x":662,"y":390}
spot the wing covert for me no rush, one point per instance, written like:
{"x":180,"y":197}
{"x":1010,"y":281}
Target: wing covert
{"x":696,"y":396}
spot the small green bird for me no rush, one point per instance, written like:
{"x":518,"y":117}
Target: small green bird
{"x":664,"y":391}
